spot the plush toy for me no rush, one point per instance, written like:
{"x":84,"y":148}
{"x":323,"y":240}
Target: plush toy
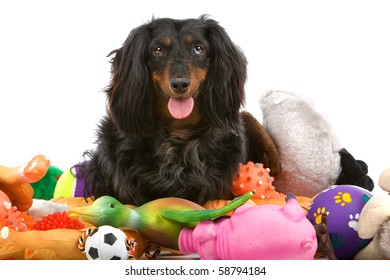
{"x":268,"y":232}
{"x":44,"y":188}
{"x":41,"y":208}
{"x":374,"y":222}
{"x":384,"y":180}
{"x":311,"y":156}
{"x":159,"y":221}
{"x":15,"y":181}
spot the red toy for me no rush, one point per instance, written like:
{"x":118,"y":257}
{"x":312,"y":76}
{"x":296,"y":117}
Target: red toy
{"x":58,"y":220}
{"x":254,"y":177}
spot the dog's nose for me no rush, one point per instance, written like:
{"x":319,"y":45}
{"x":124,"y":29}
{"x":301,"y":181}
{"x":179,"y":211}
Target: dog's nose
{"x":180,"y":85}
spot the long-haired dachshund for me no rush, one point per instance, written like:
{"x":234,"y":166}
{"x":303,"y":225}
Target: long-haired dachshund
{"x":173,"y":126}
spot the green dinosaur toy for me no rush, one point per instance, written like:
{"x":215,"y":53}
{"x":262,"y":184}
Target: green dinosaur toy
{"x":160,"y":221}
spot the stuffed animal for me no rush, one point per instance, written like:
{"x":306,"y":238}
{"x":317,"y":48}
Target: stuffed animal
{"x":311,"y":156}
{"x":384,"y":180}
{"x":374,"y":222}
{"x":15,"y":181}
{"x":44,"y":188}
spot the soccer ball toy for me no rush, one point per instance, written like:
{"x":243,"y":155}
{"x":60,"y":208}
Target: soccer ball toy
{"x":104,"y":243}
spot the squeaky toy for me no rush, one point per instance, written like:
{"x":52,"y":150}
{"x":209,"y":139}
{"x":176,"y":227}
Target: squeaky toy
{"x":266,"y":232}
{"x":159,"y":221}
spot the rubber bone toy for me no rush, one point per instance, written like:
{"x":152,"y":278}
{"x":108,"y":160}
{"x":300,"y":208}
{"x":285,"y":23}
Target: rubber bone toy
{"x":269,"y":232}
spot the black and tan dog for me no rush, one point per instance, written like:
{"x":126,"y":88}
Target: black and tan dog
{"x":174,"y":126}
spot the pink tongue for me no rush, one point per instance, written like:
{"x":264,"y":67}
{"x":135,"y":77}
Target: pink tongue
{"x":180,"y":108}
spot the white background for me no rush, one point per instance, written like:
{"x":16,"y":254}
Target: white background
{"x":53,"y":67}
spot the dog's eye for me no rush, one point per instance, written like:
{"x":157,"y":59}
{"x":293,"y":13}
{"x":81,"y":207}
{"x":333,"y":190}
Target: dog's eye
{"x":198,"y":50}
{"x":158,"y":51}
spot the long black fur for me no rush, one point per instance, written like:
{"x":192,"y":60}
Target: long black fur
{"x":139,"y":156}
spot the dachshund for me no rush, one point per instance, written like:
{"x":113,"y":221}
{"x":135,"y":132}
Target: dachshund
{"x":173,"y":126}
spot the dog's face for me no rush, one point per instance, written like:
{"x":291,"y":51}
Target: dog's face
{"x":178,"y":60}
{"x":176,"y":71}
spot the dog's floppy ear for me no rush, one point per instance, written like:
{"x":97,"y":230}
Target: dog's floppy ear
{"x":226,"y":75}
{"x":129,"y":92}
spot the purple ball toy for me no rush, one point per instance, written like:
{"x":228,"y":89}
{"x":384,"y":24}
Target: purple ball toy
{"x":342,"y":204}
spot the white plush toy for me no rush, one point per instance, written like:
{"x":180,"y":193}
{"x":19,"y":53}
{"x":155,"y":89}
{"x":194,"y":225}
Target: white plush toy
{"x":374,"y":222}
{"x":311,"y":156}
{"x":384,"y":180}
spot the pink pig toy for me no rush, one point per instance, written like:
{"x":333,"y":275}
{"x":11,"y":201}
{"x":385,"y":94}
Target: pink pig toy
{"x":264,"y":232}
